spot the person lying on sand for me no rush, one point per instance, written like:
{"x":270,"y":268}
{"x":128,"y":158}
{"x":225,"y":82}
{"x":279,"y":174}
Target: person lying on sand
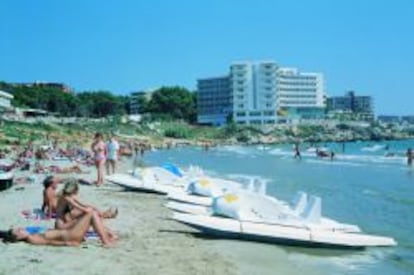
{"x":40,"y":169}
{"x":18,"y":163}
{"x":63,"y":237}
{"x":69,"y":209}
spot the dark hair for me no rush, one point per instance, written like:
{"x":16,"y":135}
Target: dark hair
{"x":48,"y":181}
{"x":98,"y":135}
{"x":8,"y":236}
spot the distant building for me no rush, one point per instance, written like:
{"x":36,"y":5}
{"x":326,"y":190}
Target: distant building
{"x":5,"y":101}
{"x":254,"y":88}
{"x":360,"y":106}
{"x":408,"y":119}
{"x":388,"y":119}
{"x":214,"y":102}
{"x":30,"y":112}
{"x":136,"y":101}
{"x":261,"y":93}
{"x":300,"y":95}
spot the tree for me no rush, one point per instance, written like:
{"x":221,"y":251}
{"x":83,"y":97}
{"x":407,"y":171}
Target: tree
{"x":101,"y":104}
{"x":176,"y":102}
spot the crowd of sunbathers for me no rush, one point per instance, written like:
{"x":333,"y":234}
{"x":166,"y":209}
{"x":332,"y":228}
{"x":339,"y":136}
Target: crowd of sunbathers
{"x":73,"y":218}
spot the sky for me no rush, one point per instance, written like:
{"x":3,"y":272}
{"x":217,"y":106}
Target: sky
{"x":123,"y":46}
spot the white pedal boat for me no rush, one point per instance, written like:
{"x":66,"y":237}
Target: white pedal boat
{"x":280,"y":233}
{"x":134,"y":184}
{"x":202,"y":190}
{"x":266,"y":211}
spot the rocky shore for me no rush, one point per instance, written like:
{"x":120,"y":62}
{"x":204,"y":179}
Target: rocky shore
{"x":171,"y":134}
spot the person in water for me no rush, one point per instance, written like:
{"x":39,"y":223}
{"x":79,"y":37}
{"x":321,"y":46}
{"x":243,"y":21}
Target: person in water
{"x":99,"y":150}
{"x":410,"y":156}
{"x":297,"y":151}
{"x":69,"y":209}
{"x":61,"y":237}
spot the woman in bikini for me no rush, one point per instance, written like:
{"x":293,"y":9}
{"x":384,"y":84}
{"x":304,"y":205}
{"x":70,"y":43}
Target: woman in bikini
{"x":69,"y":209}
{"x":99,"y":149}
{"x":62,"y":237}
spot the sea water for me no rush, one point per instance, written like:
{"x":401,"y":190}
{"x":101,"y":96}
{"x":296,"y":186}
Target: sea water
{"x":366,"y":183}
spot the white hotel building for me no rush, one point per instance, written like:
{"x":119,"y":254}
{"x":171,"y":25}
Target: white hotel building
{"x":264,"y":93}
{"x":300,"y":95}
{"x":254,"y":89}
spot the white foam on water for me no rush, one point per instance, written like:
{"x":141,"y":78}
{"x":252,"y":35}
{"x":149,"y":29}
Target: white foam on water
{"x":370,"y":192}
{"x":247,"y":178}
{"x":372,"y":159}
{"x":280,"y":152}
{"x":333,"y":162}
{"x":234,"y":149}
{"x":346,"y":262}
{"x":373,"y":148}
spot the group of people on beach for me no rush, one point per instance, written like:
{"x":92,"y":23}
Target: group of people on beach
{"x":73,"y":218}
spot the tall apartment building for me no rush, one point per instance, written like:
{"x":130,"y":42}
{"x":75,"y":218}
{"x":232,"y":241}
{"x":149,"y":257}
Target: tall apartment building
{"x":300,"y":95}
{"x":214,"y":102}
{"x":254,"y":87}
{"x":261,"y":93}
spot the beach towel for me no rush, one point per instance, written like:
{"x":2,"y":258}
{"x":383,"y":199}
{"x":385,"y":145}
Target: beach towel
{"x":35,"y":214}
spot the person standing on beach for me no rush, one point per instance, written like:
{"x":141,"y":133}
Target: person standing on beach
{"x":112,"y":148}
{"x":99,"y":150}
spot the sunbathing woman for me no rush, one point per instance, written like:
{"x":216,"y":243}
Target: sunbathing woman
{"x":62,"y":237}
{"x":69,"y":209}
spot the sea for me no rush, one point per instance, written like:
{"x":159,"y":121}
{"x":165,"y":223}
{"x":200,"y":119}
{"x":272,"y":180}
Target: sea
{"x":366,"y":183}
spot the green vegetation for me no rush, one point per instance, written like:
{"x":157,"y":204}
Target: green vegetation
{"x":166,"y":103}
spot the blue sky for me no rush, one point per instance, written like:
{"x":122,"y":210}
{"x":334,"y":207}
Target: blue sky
{"x":122,"y":46}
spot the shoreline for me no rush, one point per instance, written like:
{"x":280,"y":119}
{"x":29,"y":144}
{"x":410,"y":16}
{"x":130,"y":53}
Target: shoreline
{"x":155,"y":134}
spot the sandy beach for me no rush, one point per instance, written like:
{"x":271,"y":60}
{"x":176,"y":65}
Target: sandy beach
{"x":150,"y":243}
